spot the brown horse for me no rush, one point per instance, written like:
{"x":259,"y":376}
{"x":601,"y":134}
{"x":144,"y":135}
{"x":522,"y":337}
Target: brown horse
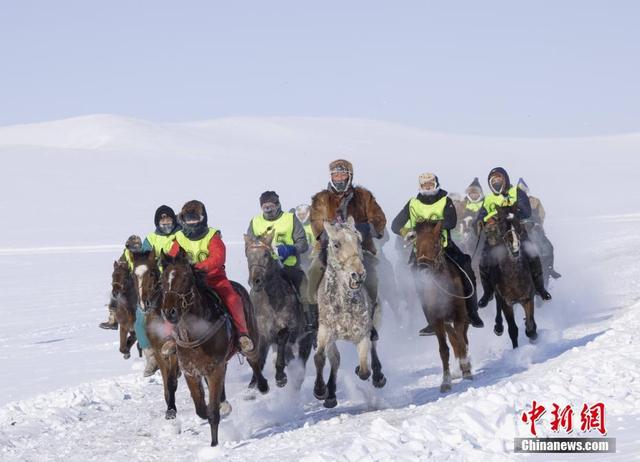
{"x":146,"y":277}
{"x":204,"y":336}
{"x":124,"y":293}
{"x":512,"y":279}
{"x":441,"y":291}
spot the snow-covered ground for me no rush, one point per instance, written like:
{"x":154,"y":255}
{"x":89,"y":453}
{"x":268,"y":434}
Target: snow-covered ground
{"x":76,"y":188}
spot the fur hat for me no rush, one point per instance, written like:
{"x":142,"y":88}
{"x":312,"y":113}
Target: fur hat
{"x":341,"y":165}
{"x":427,"y":177}
{"x":194,"y":208}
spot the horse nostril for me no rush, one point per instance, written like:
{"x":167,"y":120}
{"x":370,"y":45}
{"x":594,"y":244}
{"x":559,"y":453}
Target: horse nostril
{"x":354,"y":276}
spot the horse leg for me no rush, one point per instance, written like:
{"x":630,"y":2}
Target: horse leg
{"x":498,"y":328}
{"x":334,"y":361}
{"x":444,"y":355}
{"x":511,"y":322}
{"x":124,"y":332}
{"x":263,"y":351}
{"x":216,"y":384}
{"x":460,"y":326}
{"x":304,"y":351}
{"x":225,"y":406}
{"x":529,"y":321}
{"x":364,"y":347}
{"x":379,"y":380}
{"x":281,"y":376}
{"x":131,"y":340}
{"x":320,"y":388}
{"x":169,"y":382}
{"x":197,"y":395}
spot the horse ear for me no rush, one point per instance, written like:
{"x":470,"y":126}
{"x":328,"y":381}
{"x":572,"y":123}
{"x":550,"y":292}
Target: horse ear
{"x":151,"y":256}
{"x":351,"y":222}
{"x":182,"y":256}
{"x":247,"y":239}
{"x":115,"y":264}
{"x":329,"y":229}
{"x":268,"y":237}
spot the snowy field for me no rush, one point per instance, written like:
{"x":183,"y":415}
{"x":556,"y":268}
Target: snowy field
{"x":75,"y":189}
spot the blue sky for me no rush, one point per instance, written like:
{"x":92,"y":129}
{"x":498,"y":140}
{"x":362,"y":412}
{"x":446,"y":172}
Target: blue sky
{"x":523,"y":68}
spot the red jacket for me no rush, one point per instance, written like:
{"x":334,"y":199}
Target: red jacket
{"x":213,"y":265}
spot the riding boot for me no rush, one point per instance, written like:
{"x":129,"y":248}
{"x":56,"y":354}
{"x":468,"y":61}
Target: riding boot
{"x":535,"y":266}
{"x":310,"y":318}
{"x":427,"y":331}
{"x":246,"y":344}
{"x":469,"y":284}
{"x":552,"y":272}
{"x":111,"y":323}
{"x":487,"y":288}
{"x":150,"y":363}
{"x":374,"y":332}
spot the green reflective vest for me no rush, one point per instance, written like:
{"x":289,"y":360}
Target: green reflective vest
{"x":160,"y":242}
{"x":283,"y":227}
{"x":311,"y":239}
{"x":473,"y":206}
{"x":419,"y":211}
{"x":198,"y":251}
{"x":129,"y":258}
{"x":493,"y":201}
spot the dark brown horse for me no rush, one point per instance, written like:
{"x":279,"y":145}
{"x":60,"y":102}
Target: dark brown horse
{"x":512,"y":279}
{"x":204,"y":335}
{"x":124,"y":293}
{"x":441,"y":291}
{"x":146,"y":277}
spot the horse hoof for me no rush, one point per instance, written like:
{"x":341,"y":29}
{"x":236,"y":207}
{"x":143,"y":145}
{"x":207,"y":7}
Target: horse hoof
{"x":126,"y":355}
{"x":330,"y":402}
{"x":445,"y":387}
{"x":225,"y":408}
{"x":467,"y":375}
{"x":320,"y":393}
{"x":498,"y":329}
{"x":362,"y":376}
{"x":533,"y":336}
{"x":282,"y":381}
{"x":380,"y":382}
{"x":170,"y":414}
{"x":263,"y":387}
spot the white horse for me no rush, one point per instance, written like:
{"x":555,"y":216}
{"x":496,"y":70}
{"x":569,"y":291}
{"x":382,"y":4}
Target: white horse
{"x":344,"y":311}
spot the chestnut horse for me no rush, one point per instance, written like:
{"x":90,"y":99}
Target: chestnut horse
{"x":441,"y":292}
{"x":204,"y":337}
{"x":124,"y":293}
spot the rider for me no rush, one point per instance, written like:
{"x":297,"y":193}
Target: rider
{"x":472,"y":202}
{"x":537,"y":219}
{"x":503,"y":194}
{"x":162,"y":238}
{"x":340,"y":200}
{"x":133,"y":245}
{"x":207,"y":252}
{"x":431,"y":203}
{"x":303,"y":213}
{"x":290,"y":241}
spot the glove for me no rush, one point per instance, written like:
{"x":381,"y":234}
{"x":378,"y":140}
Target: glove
{"x":286,"y":251}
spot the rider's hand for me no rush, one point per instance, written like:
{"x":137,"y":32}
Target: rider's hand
{"x":286,"y":251}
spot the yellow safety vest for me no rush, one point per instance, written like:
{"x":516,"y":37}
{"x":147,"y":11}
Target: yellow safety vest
{"x":474,"y":206}
{"x":418,"y":211}
{"x":198,"y":251}
{"x":493,"y":201}
{"x":160,"y":242}
{"x":311,"y":239}
{"x":129,"y":258}
{"x":283,"y":227}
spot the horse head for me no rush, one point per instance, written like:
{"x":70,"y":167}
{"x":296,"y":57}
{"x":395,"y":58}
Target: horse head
{"x":178,"y":286}
{"x":119,"y":278}
{"x":428,"y":243}
{"x":504,"y":227}
{"x":344,"y":251}
{"x":146,"y":275}
{"x":259,"y":255}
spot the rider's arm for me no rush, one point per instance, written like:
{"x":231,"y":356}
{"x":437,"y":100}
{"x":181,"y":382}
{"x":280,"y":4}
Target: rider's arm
{"x":217,"y":256}
{"x":375,"y":215}
{"x":175,"y":248}
{"x":400,"y":220}
{"x":318,"y":214}
{"x":146,"y":245}
{"x":523,"y":205}
{"x":299,"y":237}
{"x":450,"y":219}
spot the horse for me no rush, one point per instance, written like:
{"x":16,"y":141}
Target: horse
{"x":146,"y":276}
{"x":124,"y":294}
{"x":512,"y":279}
{"x":204,"y":336}
{"x":278,"y":307}
{"x":441,"y":292}
{"x":344,"y":311}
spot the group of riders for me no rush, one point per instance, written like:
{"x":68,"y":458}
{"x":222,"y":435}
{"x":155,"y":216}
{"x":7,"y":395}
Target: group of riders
{"x":300,"y":242}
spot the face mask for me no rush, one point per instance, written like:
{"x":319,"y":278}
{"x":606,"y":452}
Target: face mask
{"x":194,"y":230}
{"x":166,"y":228}
{"x":271,"y":212}
{"x":496,"y":186}
{"x":429,"y":192}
